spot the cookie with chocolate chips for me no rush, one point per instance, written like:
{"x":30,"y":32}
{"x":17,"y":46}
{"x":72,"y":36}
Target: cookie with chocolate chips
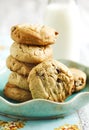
{"x":51,"y":80}
{"x":79,"y":79}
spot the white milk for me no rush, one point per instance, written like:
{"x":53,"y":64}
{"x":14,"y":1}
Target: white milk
{"x":64,"y":17}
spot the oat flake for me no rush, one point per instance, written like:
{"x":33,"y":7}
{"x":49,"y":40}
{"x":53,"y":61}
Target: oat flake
{"x":11,"y":125}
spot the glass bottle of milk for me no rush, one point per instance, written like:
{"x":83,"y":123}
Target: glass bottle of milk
{"x":63,"y":15}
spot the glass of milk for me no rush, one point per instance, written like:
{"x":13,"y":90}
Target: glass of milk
{"x":63,"y":15}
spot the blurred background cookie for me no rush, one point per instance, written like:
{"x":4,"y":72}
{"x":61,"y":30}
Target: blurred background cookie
{"x":13,"y":92}
{"x":51,"y":80}
{"x":79,"y":79}
{"x":33,"y":34}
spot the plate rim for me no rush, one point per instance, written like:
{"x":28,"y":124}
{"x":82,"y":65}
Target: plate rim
{"x":45,"y":100}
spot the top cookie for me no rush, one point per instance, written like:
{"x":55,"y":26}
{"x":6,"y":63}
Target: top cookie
{"x":51,"y":80}
{"x":33,"y":34}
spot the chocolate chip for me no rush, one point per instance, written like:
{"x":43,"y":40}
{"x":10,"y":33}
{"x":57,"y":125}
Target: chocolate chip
{"x":20,"y":46}
{"x":54,"y":91}
{"x":17,"y":55}
{"x":59,"y":80}
{"x":56,"y":33}
{"x":78,"y":83}
{"x":13,"y":29}
{"x":53,"y":65}
{"x":43,"y":75}
{"x":58,"y":71}
{"x":40,"y":74}
{"x":18,"y":35}
{"x":37,"y":73}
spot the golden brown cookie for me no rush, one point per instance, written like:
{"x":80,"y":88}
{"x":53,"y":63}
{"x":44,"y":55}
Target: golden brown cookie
{"x":30,"y":54}
{"x":33,"y":34}
{"x":51,"y":80}
{"x":19,"y":67}
{"x":79,"y":79}
{"x":13,"y":92}
{"x":18,"y":80}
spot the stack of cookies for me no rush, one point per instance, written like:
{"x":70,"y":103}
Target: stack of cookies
{"x":31,"y":46}
{"x":35,"y":74}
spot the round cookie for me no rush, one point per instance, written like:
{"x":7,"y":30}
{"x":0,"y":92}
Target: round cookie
{"x":51,"y":80}
{"x":30,"y":54}
{"x":33,"y":34}
{"x":79,"y":79}
{"x":18,"y":80}
{"x":19,"y":67}
{"x":13,"y":92}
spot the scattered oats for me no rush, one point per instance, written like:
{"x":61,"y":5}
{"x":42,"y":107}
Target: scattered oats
{"x":68,"y":127}
{"x":11,"y":125}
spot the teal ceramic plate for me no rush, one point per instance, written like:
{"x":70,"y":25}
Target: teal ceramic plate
{"x":40,"y":108}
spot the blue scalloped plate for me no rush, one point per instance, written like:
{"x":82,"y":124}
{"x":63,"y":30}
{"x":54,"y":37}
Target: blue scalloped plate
{"x":40,"y":108}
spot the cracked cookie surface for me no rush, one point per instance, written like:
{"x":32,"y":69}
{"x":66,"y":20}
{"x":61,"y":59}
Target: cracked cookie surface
{"x":79,"y":79}
{"x":33,"y":34}
{"x":51,"y":80}
{"x":30,"y":54}
{"x":19,"y":67}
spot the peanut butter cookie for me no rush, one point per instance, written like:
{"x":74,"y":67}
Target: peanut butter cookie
{"x":18,"y":80}
{"x":19,"y":67}
{"x":33,"y":34}
{"x":30,"y":54}
{"x":13,"y":92}
{"x":51,"y":80}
